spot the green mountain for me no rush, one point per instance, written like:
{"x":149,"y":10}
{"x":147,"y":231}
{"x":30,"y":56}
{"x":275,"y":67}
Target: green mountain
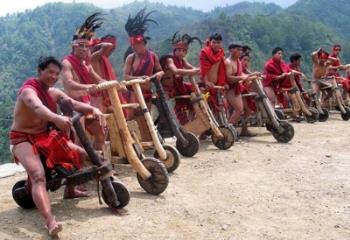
{"x":249,"y":8}
{"x":48,"y":30}
{"x":334,"y":14}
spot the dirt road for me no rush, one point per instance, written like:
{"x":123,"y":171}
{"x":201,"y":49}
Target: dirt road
{"x":257,"y":190}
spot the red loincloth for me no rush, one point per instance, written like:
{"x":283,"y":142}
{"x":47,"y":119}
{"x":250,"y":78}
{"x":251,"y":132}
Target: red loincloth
{"x":52,"y":145}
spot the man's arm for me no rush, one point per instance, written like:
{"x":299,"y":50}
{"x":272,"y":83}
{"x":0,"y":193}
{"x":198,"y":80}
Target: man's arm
{"x":103,"y":49}
{"x":183,"y":72}
{"x":68,"y":79}
{"x":77,"y":106}
{"x":229,"y":74}
{"x":31,"y":100}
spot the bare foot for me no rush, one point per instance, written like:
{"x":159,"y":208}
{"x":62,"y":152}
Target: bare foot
{"x":120,"y":212}
{"x":73,"y":192}
{"x":53,"y":227}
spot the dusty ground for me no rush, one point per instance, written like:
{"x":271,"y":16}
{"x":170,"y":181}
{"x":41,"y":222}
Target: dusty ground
{"x":257,"y":190}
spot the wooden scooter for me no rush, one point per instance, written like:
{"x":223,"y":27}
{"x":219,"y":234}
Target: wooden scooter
{"x":266,"y":115}
{"x":222,"y":135}
{"x":114,"y":192}
{"x":298,"y":106}
{"x":149,"y":138}
{"x":168,"y":126}
{"x":151,"y":173}
{"x":333,"y":94}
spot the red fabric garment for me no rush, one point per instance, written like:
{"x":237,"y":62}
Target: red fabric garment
{"x":237,"y":87}
{"x":145,"y":68}
{"x":83,"y":74}
{"x":336,"y":63}
{"x":53,"y":145}
{"x":183,"y":106}
{"x":273,"y":69}
{"x":181,"y":87}
{"x":346,"y":84}
{"x":208,"y":58}
{"x":146,"y":65}
{"x":41,"y":91}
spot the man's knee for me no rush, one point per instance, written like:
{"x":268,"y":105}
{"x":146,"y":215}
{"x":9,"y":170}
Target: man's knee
{"x":37,"y":177}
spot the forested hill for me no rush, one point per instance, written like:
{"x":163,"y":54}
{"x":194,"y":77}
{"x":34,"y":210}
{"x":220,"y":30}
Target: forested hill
{"x":24,"y":37}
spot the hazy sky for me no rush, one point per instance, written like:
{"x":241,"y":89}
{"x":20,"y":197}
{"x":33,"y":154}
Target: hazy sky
{"x":12,"y":6}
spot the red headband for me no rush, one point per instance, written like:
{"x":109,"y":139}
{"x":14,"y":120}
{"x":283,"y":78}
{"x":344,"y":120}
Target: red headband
{"x":136,"y":40}
{"x":180,"y":45}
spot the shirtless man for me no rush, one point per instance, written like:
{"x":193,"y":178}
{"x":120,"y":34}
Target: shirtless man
{"x":79,"y":78}
{"x":100,"y":53}
{"x":34,"y":114}
{"x":236,"y":77}
{"x":321,"y":61}
{"x":141,"y":62}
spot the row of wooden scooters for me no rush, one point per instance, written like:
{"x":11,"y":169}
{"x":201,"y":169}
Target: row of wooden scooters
{"x":132,"y":141}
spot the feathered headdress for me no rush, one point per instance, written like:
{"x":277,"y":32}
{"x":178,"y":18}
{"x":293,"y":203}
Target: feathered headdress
{"x":137,"y":26}
{"x":183,"y":42}
{"x":87,"y":29}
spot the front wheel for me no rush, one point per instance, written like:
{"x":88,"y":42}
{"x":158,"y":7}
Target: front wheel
{"x":346,"y":116}
{"x":191,"y":148}
{"x":159,"y":180}
{"x":323,"y":116}
{"x":172,"y":160}
{"x":228,"y":138}
{"x":286,"y":135}
{"x":122,"y":193}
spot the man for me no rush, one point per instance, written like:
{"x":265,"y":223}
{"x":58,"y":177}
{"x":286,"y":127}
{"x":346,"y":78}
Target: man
{"x":141,"y":62}
{"x":176,"y":67}
{"x":79,"y":78}
{"x":335,"y":67}
{"x":276,"y":71}
{"x":102,"y":49}
{"x":321,"y":61}
{"x":212,"y":65}
{"x":33,"y":133}
{"x":235,"y":78}
{"x":295,"y":65}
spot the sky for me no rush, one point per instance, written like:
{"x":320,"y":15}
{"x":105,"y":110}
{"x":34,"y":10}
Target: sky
{"x":13,"y":6}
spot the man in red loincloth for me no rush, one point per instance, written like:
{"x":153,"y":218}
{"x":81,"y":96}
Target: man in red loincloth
{"x":37,"y":130}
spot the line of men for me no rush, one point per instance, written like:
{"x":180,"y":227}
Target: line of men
{"x":38,"y":129}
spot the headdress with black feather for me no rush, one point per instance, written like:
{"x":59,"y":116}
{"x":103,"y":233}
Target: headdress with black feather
{"x":183,"y":41}
{"x":88,"y":28}
{"x":138,"y":25}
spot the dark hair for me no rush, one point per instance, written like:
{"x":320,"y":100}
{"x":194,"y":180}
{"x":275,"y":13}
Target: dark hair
{"x":215,"y":36}
{"x":276,"y":50}
{"x":295,"y":57}
{"x":44,"y":62}
{"x":234,"y":45}
{"x":246,"y":48}
{"x":108,"y":36}
{"x":244,"y":55}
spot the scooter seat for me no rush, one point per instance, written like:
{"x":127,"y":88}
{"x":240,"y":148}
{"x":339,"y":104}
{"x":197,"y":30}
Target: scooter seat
{"x":183,"y":97}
